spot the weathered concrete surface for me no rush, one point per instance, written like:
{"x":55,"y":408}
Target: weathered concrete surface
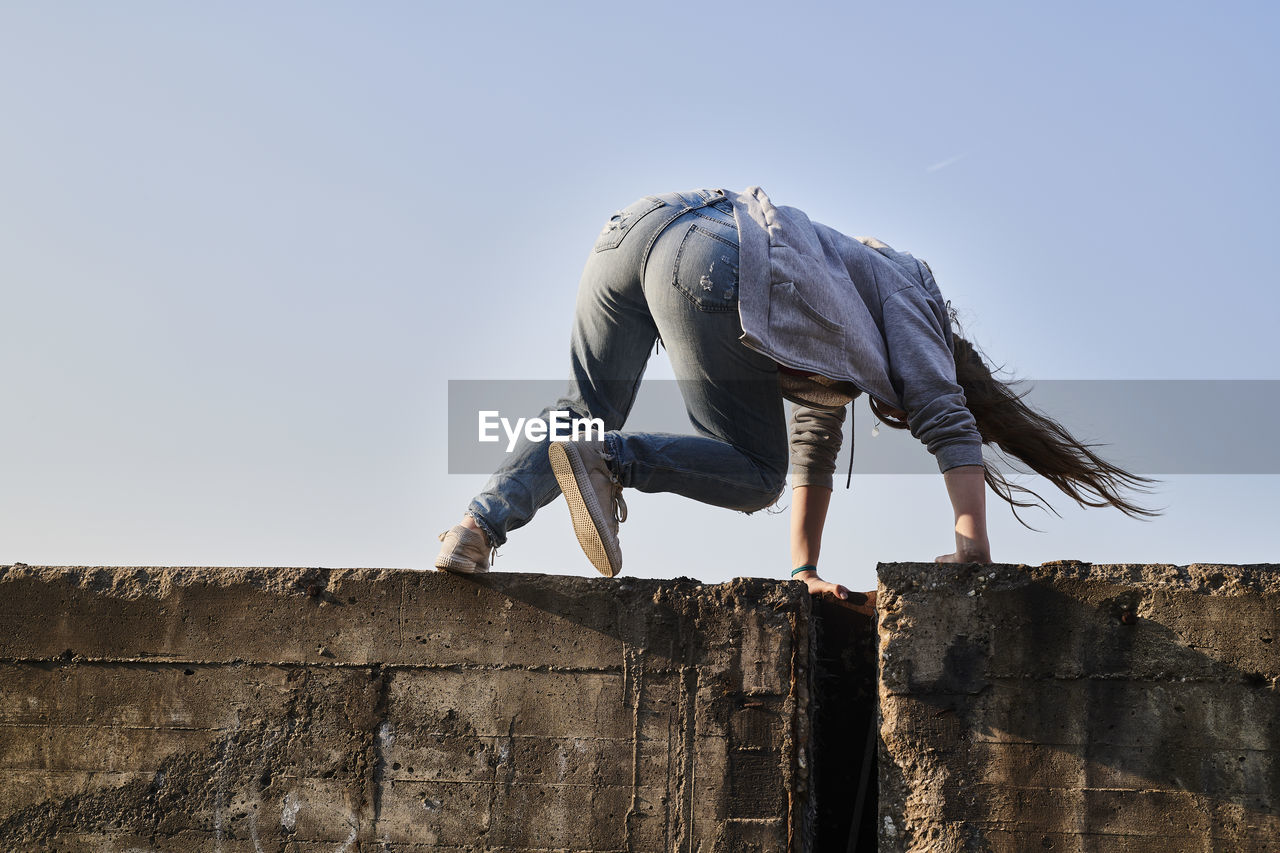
{"x":317,"y":710}
{"x":1077,"y":707}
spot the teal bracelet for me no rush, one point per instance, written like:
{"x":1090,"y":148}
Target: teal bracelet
{"x":795,"y":572}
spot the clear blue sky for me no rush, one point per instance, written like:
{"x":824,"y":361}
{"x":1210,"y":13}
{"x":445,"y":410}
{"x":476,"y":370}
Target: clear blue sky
{"x":244,"y":246}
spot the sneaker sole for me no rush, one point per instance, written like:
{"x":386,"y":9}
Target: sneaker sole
{"x":459,"y":567}
{"x":584,"y":509}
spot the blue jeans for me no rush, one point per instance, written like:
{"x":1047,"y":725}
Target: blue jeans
{"x":665,"y":267}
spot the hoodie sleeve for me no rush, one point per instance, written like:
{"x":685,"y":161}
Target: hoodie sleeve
{"x":816,"y":436}
{"x":923,"y":372}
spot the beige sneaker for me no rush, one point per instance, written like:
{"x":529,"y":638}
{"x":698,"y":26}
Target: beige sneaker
{"x":595,"y":500}
{"x":464,"y":551}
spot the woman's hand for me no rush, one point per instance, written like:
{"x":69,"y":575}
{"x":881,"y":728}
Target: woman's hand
{"x":968,"y":551}
{"x":859,"y":602}
{"x":817,"y":585}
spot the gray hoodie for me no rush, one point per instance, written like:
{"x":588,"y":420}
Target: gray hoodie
{"x":820,"y":302}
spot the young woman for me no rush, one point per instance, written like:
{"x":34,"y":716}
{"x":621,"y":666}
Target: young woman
{"x":755,"y":303}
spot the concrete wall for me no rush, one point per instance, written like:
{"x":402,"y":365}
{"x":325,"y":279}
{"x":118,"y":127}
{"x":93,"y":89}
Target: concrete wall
{"x":248,"y":710}
{"x":1071,"y":707}
{"x":1065,"y":707}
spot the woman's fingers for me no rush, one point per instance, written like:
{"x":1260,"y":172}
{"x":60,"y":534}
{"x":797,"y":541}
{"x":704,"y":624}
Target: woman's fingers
{"x":861,"y":602}
{"x":967,"y":558}
{"x":817,"y":586}
{"x":837,"y":590}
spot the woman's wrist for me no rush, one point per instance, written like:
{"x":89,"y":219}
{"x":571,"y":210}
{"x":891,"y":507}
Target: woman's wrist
{"x":804,"y":572}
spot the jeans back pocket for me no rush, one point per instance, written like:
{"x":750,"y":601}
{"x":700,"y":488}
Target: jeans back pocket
{"x":706,"y":270}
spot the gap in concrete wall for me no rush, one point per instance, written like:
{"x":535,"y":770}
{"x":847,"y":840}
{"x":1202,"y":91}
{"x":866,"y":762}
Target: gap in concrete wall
{"x":846,"y":730}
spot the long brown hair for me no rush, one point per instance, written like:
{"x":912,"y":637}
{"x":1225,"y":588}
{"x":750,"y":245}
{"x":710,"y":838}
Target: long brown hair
{"x":1039,"y":442}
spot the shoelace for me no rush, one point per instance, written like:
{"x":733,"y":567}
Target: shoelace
{"x":619,"y":505}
